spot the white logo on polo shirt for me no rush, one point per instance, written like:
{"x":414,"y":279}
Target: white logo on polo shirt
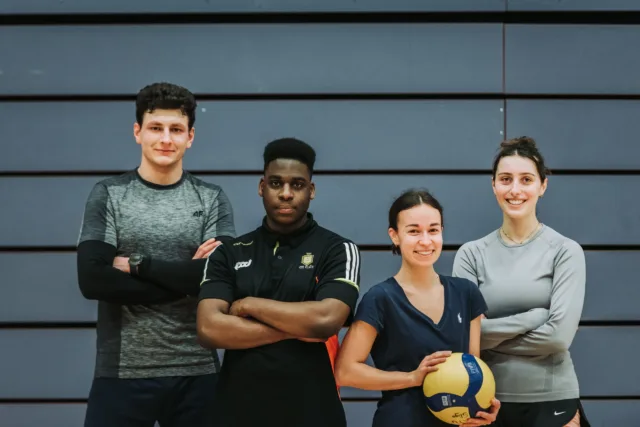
{"x":242,"y":264}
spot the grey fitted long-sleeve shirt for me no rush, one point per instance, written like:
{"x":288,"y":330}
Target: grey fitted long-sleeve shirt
{"x":535,"y":293}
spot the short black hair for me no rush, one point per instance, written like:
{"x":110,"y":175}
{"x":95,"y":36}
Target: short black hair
{"x":290,"y":148}
{"x":166,"y":96}
{"x":410,"y":199}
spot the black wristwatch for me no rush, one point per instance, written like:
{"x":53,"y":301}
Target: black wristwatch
{"x":134,"y":262}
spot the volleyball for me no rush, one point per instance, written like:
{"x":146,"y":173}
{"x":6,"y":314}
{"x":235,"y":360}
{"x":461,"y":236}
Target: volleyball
{"x":462,"y":386}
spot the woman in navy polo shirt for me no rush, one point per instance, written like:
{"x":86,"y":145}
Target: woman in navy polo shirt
{"x":412,"y":321}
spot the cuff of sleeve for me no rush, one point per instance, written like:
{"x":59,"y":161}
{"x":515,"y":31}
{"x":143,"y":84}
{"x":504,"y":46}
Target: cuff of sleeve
{"x":478,"y":312}
{"x":143,"y":268}
{"x":372,"y":322}
{"x":345,"y":292}
{"x":211,"y":290}
{"x":342,"y":291}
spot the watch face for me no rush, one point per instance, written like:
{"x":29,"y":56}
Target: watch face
{"x":135,"y":259}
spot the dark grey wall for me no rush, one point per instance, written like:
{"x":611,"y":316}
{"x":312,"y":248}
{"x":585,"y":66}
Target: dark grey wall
{"x":389,"y":102}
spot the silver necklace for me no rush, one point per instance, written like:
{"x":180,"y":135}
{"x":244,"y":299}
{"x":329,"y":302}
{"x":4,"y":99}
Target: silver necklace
{"x":525,"y":239}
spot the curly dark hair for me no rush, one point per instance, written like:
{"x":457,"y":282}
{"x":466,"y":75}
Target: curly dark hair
{"x":165,"y":96}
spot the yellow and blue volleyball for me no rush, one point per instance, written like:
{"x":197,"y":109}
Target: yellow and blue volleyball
{"x":462,"y":386}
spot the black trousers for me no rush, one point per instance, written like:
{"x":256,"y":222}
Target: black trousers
{"x":171,"y":401}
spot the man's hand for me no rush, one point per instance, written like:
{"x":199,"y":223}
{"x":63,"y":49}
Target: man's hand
{"x":206,"y":248}
{"x":240,"y":307}
{"x":122,"y":263}
{"x":243,"y":307}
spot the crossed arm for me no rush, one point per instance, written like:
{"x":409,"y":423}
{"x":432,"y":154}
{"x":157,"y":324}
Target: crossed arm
{"x":182,"y":277}
{"x":556,"y":334}
{"x":537,"y":332}
{"x":253,"y":322}
{"x":105,"y":277}
{"x":230,"y":323}
{"x":99,"y":280}
{"x":497,"y":330}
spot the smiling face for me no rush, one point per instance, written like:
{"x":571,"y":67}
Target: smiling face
{"x":418,"y":235}
{"x":517,"y":186}
{"x":164,"y":136}
{"x":286,"y":190}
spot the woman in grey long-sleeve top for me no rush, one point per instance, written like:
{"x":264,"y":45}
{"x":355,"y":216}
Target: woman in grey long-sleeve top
{"x":533,"y":280}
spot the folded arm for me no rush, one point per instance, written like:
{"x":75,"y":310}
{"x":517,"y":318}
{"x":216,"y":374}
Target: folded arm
{"x":567,"y":299}
{"x":216,"y":326}
{"x":498,"y":330}
{"x":332,"y":301}
{"x":219,"y":329}
{"x":99,"y":280}
{"x":183,"y":277}
{"x":309,"y":319}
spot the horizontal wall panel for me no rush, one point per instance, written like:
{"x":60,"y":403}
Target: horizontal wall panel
{"x":49,"y":293}
{"x":340,"y":131}
{"x":572,"y":59}
{"x":579,"y":134}
{"x":607,"y":413}
{"x":572,"y":5}
{"x":46,"y":363}
{"x":360,"y":414}
{"x":42,"y":287}
{"x":253,"y":59}
{"x":592,"y":345}
{"x":40,"y":211}
{"x":29,"y":7}
{"x":612,"y":292}
{"x":601,"y":413}
{"x":67,"y":370}
{"x":43,"y":414}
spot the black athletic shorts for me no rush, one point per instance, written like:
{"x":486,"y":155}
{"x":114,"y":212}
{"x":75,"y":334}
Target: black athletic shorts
{"x":540,"y":414}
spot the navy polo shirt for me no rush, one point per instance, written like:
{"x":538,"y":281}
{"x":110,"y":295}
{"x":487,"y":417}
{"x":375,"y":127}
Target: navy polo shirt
{"x":406,"y":336}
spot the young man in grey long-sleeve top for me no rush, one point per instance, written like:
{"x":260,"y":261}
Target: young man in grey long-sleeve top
{"x":142,"y":250}
{"x":533,"y":280}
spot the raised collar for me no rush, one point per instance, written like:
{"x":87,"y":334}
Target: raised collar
{"x":292,"y":239}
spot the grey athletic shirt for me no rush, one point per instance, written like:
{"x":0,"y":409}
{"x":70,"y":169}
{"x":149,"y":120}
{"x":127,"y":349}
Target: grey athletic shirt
{"x":535,"y":293}
{"x":167,"y":223}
